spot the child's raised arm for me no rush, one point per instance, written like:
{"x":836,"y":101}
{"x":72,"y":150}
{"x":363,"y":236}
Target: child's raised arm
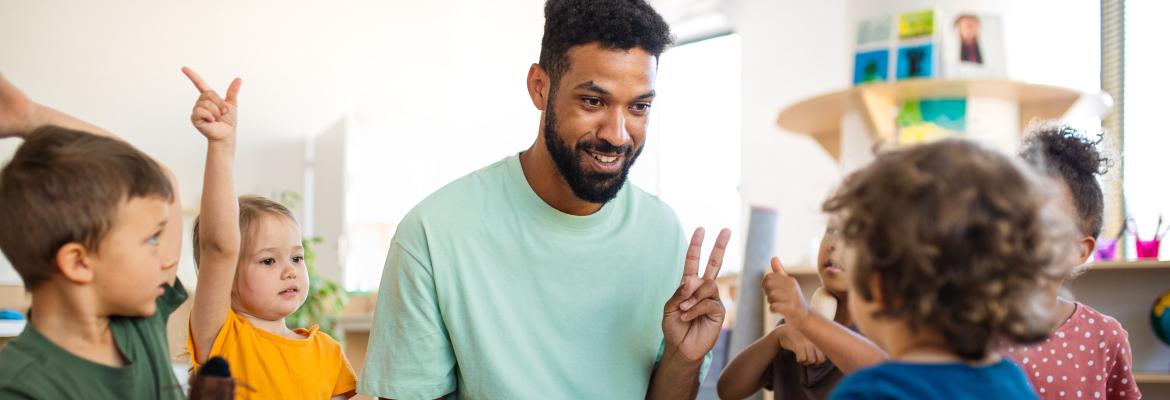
{"x":848,"y":350}
{"x":219,"y":226}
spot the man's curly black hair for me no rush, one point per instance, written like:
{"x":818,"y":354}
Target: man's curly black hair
{"x":1066,"y":153}
{"x":614,"y":24}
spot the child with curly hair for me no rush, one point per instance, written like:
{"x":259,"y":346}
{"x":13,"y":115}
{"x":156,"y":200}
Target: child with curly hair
{"x":950,"y":248}
{"x":1088,"y":355}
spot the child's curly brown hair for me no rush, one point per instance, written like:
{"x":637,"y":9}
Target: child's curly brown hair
{"x":959,"y":241}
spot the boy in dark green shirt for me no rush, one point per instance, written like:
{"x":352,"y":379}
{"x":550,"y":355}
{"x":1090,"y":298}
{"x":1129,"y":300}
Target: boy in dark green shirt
{"x":92,"y":226}
{"x":32,"y":366}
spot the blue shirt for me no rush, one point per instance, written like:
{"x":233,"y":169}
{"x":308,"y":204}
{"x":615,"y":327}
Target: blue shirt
{"x":953,"y":381}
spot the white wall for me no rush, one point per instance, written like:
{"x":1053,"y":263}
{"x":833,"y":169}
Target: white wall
{"x":450,"y":72}
{"x":791,"y":49}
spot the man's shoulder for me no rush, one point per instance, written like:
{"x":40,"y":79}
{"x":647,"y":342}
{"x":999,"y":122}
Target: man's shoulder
{"x":650,"y":206}
{"x":462,"y":193}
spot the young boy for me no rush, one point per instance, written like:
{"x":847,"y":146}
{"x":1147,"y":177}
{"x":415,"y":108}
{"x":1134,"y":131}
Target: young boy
{"x":88,"y":223}
{"x":1088,"y":356}
{"x":949,"y":247}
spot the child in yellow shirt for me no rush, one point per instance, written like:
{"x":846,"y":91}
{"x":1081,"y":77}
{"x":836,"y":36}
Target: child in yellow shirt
{"x":252,"y":275}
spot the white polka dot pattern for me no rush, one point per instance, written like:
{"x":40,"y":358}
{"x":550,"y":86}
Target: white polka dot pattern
{"x":1090,"y":346}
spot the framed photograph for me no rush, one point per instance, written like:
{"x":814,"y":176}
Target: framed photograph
{"x":871,"y":66}
{"x":874,"y":31}
{"x":973,"y":46}
{"x":915,"y":61}
{"x":916,"y":24}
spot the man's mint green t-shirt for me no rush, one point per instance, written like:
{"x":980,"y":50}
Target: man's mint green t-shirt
{"x":490,"y":292}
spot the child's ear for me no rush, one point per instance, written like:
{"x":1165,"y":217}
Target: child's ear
{"x":74,"y":263}
{"x":1087,"y":245}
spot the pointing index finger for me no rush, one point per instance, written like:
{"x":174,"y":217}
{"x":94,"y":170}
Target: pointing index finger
{"x":196,"y":79}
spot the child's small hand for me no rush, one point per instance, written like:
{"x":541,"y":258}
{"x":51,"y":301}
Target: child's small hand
{"x":790,"y":339}
{"x":784,"y":295}
{"x":215,"y":118}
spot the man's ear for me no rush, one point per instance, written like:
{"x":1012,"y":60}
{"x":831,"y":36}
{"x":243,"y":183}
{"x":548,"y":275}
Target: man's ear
{"x":538,"y":86}
{"x":73,"y":260}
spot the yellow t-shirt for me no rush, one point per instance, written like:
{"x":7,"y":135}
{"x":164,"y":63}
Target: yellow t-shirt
{"x":277,"y":367}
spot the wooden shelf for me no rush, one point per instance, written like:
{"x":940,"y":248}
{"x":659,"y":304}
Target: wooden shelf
{"x":1138,"y":265}
{"x":1152,"y":377}
{"x":820,"y":116}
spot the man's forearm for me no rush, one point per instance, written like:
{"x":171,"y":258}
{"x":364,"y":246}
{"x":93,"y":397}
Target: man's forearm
{"x":675,"y":377}
{"x":44,"y":115}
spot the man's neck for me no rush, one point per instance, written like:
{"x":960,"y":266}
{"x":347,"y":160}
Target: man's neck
{"x":70,"y":318}
{"x":541,"y":173}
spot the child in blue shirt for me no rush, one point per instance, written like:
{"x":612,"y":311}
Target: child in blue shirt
{"x":946,"y":245}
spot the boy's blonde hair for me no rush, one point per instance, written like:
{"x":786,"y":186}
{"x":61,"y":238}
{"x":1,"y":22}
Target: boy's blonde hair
{"x":959,"y":240}
{"x":251,"y":209}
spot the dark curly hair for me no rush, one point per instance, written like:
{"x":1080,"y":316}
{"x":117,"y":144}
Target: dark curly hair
{"x":1066,"y":153}
{"x":614,"y":24}
{"x":957,"y":237}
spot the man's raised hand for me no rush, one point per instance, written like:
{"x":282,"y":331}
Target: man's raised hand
{"x":693,"y":317}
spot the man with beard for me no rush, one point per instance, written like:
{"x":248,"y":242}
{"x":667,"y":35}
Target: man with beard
{"x":545,"y":275}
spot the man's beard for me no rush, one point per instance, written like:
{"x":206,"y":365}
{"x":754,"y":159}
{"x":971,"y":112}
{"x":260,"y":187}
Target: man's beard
{"x":590,"y":186}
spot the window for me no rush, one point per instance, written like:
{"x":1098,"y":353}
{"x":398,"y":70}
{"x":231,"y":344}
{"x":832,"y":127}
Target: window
{"x":1147,"y":141}
{"x":692,"y":156}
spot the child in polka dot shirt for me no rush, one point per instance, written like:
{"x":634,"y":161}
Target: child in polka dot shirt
{"x":1088,"y":356}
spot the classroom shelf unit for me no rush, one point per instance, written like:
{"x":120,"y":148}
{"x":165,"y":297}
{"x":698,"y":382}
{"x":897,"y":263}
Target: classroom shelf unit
{"x":995,"y":105}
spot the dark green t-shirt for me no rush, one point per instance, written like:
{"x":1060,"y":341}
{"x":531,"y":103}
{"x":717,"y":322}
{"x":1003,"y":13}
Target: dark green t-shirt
{"x":33,"y":367}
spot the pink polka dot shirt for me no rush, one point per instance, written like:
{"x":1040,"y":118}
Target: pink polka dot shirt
{"x":1088,"y":357}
